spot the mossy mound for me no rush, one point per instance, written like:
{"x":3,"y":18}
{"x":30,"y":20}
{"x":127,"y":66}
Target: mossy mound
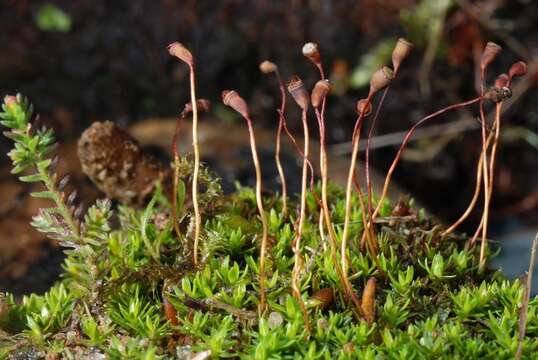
{"x":130,"y":291}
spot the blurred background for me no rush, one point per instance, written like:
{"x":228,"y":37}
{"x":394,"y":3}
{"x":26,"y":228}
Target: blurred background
{"x":84,"y":61}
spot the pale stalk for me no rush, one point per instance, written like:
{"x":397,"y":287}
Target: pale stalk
{"x":485,"y":176}
{"x":281,"y":122}
{"x":474,"y":199}
{"x":404,"y":143}
{"x":197,"y":216}
{"x":259,"y":202}
{"x":351,"y":174}
{"x":302,"y":216}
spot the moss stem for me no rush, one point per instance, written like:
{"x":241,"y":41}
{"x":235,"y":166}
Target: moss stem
{"x":197,"y":216}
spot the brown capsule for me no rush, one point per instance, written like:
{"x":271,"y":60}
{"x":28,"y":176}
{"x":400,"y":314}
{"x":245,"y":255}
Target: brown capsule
{"x":311,"y":51}
{"x":267,"y":67}
{"x":320,"y":92}
{"x":517,"y":69}
{"x":498,"y":94}
{"x":368,"y":300}
{"x":401,"y":50}
{"x":170,"y":312}
{"x":501,"y":81}
{"x":297,"y":90}
{"x":181,"y":52}
{"x":232,"y":99}
{"x":321,"y":299}
{"x":380,"y":80}
{"x":489,"y":54}
{"x":364,"y":107}
{"x":203,"y":105}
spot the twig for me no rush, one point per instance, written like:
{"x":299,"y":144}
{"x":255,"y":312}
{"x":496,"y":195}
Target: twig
{"x":525,"y":306}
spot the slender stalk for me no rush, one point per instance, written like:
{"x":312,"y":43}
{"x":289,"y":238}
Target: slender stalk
{"x":368,"y":224}
{"x":485,"y":175}
{"x":302,"y":216}
{"x":300,"y":153}
{"x":197,"y":216}
{"x":325,"y":212}
{"x":489,"y":187}
{"x":406,"y":140}
{"x":474,"y":199}
{"x":526,"y":299}
{"x":367,"y":151}
{"x":351,"y":175}
{"x":176,"y":176}
{"x":281,"y":121}
{"x":259,"y":202}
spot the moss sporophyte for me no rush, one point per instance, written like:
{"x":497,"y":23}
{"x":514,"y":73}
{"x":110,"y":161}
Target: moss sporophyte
{"x":329,"y":273}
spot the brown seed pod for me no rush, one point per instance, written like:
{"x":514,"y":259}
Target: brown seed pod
{"x":321,"y":299}
{"x":320,"y":92}
{"x":298,"y":91}
{"x":364,"y":106}
{"x":181,"y":52}
{"x":402,"y":49}
{"x":517,"y":69}
{"x":501,"y":81}
{"x":203,"y":105}
{"x":368,"y":300}
{"x":267,"y":67}
{"x":380,"y":79}
{"x":232,"y":99}
{"x":311,"y":51}
{"x":170,"y":312}
{"x":489,"y":54}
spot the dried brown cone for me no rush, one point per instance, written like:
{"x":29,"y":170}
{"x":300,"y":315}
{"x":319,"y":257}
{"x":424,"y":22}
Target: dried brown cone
{"x":114,"y":161}
{"x":380,"y":80}
{"x":298,"y":91}
{"x":491,"y":51}
{"x":320,"y":92}
{"x":311,"y":51}
{"x":232,"y":99}
{"x":517,"y":69}
{"x":368,"y":300}
{"x":401,"y":51}
{"x":364,"y":106}
{"x":268,"y":67}
{"x":181,"y":52}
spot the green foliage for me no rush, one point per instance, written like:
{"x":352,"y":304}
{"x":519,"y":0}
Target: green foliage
{"x":52,"y":18}
{"x":130,"y":292}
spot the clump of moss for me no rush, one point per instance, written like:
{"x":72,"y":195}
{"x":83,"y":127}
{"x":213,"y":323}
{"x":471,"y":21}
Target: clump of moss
{"x":131,"y":290}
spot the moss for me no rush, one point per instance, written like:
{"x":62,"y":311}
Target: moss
{"x":131,"y":291}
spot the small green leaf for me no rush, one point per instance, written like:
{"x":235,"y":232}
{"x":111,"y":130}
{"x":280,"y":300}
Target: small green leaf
{"x":52,"y":18}
{"x":43,"y":195}
{"x":31,"y":178}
